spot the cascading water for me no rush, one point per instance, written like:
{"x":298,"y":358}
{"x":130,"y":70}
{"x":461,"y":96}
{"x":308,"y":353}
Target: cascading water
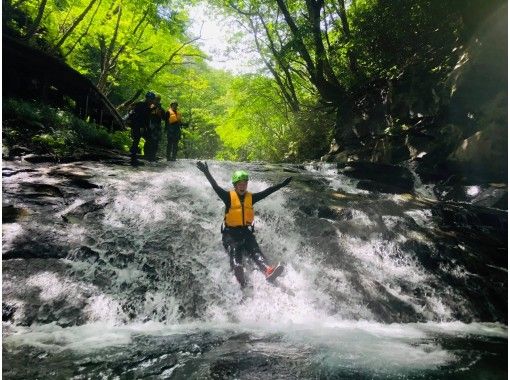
{"x":128,"y":279}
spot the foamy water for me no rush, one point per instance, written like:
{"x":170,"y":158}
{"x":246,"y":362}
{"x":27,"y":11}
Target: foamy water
{"x":168,"y":219}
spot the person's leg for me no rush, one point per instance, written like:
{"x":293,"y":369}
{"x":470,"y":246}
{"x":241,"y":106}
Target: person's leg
{"x":253,"y":250}
{"x":155,"y":141}
{"x":175,"y":147}
{"x":233,"y":247}
{"x":169,"y":145}
{"x":148,"y":147}
{"x":153,"y":146}
{"x":136,"y":135}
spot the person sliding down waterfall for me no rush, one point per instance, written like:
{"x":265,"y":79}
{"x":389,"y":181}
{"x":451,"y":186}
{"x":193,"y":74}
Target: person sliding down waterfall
{"x":238,"y":223}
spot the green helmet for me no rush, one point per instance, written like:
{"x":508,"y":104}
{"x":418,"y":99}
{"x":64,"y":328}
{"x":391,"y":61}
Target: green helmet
{"x":239,"y":175}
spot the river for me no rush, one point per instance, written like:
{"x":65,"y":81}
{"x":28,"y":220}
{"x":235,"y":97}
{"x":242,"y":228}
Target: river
{"x":115,"y":272}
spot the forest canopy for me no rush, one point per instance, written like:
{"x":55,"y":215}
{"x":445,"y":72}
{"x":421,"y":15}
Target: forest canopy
{"x":325,"y":63}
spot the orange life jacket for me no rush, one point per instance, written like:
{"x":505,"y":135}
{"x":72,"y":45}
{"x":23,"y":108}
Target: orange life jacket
{"x":239,"y":214}
{"x":174,"y":116}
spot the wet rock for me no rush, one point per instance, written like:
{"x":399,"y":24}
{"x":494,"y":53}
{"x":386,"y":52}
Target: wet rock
{"x":39,"y":158}
{"x":104,"y":276}
{"x":18,"y":150}
{"x":121,"y":260}
{"x":46,"y":293}
{"x":156,"y":269}
{"x":480,"y":195}
{"x":42,"y":189}
{"x":36,"y":244}
{"x":483,"y":155}
{"x":84,"y":253}
{"x":150,"y":271}
{"x":83,"y":183}
{"x":8,"y":172}
{"x":7,"y":312}
{"x":11,"y":214}
{"x":78,"y":213}
{"x":326,"y":212}
{"x":473,"y":220}
{"x":381,"y":187}
{"x":380,"y":177}
{"x":386,"y":306}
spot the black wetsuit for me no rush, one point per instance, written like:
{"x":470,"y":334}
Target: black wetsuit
{"x":139,"y":119}
{"x":153,"y":133}
{"x":237,"y":240}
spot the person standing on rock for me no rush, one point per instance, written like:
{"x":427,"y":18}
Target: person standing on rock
{"x":153,"y":133}
{"x":139,"y":119}
{"x":238,"y":232}
{"x":173,"y":124}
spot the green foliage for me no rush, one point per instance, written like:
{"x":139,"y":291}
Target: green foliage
{"x":311,"y":134}
{"x":121,"y":140}
{"x":60,"y":142}
{"x":128,"y":47}
{"x":391,"y":36}
{"x":55,"y":131}
{"x":252,"y":126}
{"x":200,"y":139}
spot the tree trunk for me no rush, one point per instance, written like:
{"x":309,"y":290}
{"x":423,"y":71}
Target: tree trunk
{"x":320,"y":71}
{"x":86,"y":31}
{"x":150,"y":78}
{"x":74,"y":25}
{"x":106,"y":53}
{"x":121,"y":108}
{"x":110,"y":60}
{"x":37,"y":22}
{"x":288,"y":86}
{"x":353,"y":64}
{"x":301,"y":47}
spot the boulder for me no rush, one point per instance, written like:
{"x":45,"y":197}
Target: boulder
{"x":479,"y":103}
{"x":380,"y":177}
{"x":491,"y":195}
{"x":7,"y":312}
{"x":11,"y":214}
{"x":483,"y":155}
{"x":18,"y":150}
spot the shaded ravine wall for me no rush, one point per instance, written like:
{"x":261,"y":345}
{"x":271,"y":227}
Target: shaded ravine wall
{"x":459,"y":128}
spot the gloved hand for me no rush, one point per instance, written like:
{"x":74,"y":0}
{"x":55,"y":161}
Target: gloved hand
{"x":286,"y":181}
{"x":202,"y":166}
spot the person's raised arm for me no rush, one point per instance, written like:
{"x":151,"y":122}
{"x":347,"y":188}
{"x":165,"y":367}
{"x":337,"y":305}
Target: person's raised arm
{"x":270,"y":190}
{"x":222,"y":193}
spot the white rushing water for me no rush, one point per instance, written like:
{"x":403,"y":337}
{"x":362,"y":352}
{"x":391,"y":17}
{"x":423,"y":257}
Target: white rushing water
{"x":316,"y":306}
{"x":361,"y":345}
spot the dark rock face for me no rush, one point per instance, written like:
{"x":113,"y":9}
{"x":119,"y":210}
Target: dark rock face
{"x":7,"y":312}
{"x":11,"y":213}
{"x":382,"y":178}
{"x":456,"y":127}
{"x":88,"y":154}
{"x":479,"y":103}
{"x":78,"y":213}
{"x":481,"y":195}
{"x":467,"y":256}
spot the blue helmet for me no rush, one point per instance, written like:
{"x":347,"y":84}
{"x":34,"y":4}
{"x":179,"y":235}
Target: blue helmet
{"x":150,"y":95}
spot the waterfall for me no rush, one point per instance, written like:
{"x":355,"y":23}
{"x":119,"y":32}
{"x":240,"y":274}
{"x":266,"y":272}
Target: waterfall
{"x":141,"y":255}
